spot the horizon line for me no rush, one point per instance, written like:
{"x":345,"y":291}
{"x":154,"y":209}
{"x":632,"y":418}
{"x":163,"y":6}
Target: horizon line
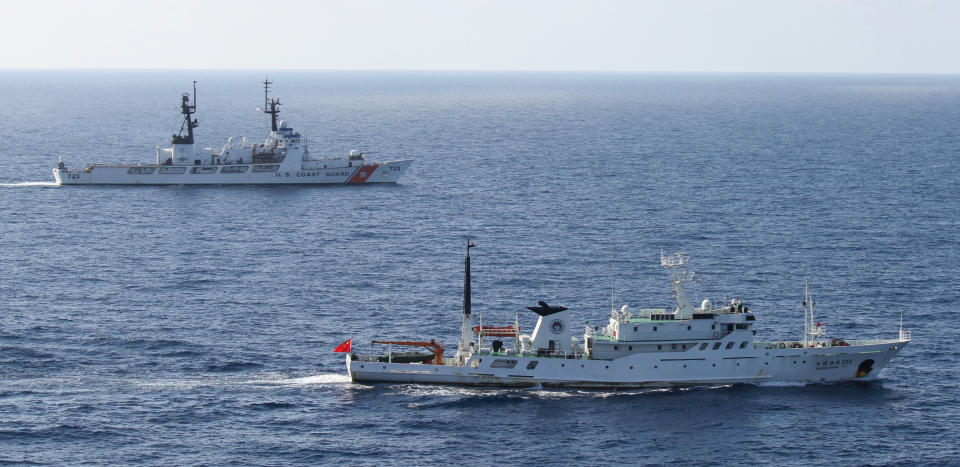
{"x":494,"y":70}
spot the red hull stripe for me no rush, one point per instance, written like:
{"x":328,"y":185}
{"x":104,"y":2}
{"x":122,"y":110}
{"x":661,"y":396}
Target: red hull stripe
{"x":363,"y":173}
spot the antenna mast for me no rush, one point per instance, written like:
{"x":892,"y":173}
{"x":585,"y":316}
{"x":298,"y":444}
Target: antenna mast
{"x":266,"y":91}
{"x":680,"y":274}
{"x":811,"y":329}
{"x":613,"y":270}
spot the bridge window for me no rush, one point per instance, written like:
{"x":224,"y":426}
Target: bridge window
{"x":729,"y":345}
{"x":501,"y":363}
{"x":703,"y":346}
{"x":533,"y":364}
{"x":716,"y":346}
{"x":743,"y":344}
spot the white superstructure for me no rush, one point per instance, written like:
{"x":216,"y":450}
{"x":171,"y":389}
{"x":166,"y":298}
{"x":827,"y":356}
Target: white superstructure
{"x":283,"y":158}
{"x":689,"y":345}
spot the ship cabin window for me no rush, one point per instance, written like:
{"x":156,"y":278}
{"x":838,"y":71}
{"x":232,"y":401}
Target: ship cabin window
{"x":713,"y":326}
{"x":743,"y":344}
{"x":654,"y":328}
{"x":689,"y":328}
{"x":234,"y":169}
{"x":616,"y":347}
{"x":502,"y":363}
{"x":634,"y":329}
{"x":659,"y":347}
{"x":729,"y":345}
{"x":203,"y":170}
{"x":742,"y":325}
{"x":196,"y":162}
{"x":172,"y":170}
{"x":266,"y":168}
{"x":716,"y":346}
{"x":141,"y":170}
{"x":683,"y":347}
{"x":730,"y":328}
{"x":673,"y":346}
{"x":532,"y":364}
{"x":629,"y":347}
{"x":703,"y":346}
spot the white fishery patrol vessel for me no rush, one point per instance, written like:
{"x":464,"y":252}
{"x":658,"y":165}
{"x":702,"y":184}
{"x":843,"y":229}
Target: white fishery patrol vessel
{"x":283,"y":158}
{"x":709,"y":344}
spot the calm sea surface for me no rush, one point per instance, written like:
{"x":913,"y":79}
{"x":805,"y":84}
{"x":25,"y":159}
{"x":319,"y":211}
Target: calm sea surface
{"x":186,"y":325}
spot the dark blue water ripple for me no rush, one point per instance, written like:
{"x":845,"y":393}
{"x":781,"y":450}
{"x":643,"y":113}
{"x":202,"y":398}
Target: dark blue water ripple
{"x":193,"y":325}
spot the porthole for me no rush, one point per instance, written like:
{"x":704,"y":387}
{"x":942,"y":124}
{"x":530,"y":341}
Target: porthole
{"x":631,"y":368}
{"x":654,"y":366}
{"x":714,"y":364}
{"x":607,"y":366}
{"x":684,"y":366}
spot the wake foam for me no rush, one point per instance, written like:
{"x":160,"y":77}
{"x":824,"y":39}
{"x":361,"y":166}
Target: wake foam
{"x":780,"y":384}
{"x":23,"y":184}
{"x":312,"y":380}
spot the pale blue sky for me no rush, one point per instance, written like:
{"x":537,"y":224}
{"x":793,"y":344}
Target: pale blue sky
{"x":875,"y":36}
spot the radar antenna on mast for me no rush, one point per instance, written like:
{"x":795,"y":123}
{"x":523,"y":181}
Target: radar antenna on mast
{"x":270,"y":105}
{"x":187,"y":109}
{"x":266,"y":91}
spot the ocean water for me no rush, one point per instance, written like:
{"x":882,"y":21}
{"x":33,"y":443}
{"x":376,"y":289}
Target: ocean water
{"x":194,"y":325}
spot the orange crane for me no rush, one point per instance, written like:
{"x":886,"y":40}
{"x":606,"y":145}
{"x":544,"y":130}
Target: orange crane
{"x":433,"y":345}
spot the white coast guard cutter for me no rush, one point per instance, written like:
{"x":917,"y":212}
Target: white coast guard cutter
{"x":712,"y":344}
{"x":283,"y":158}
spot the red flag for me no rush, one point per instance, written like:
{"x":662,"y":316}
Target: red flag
{"x":344,"y":347}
